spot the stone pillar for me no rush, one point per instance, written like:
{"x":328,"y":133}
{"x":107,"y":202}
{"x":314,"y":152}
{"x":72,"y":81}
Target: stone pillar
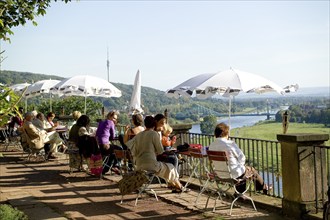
{"x":298,"y":172}
{"x":182,"y":129}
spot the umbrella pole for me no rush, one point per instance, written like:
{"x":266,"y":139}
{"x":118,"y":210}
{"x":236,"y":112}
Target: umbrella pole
{"x":50,"y":103}
{"x":85,"y":104}
{"x":229,"y":111}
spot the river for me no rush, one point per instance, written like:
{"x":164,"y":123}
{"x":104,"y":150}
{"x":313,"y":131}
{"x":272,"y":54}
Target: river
{"x":235,"y":122}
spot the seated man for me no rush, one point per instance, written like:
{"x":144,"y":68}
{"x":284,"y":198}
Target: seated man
{"x":236,"y":161}
{"x":39,"y":122}
{"x":37,"y":138}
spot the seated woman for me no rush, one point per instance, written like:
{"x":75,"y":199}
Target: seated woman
{"x":104,"y":134}
{"x":79,"y":137}
{"x":144,"y":148}
{"x":137,"y":127}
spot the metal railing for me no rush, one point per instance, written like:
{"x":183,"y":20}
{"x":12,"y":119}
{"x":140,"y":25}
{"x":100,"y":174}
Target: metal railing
{"x":321,"y":156}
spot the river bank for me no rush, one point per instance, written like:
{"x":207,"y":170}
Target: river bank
{"x":235,"y":122}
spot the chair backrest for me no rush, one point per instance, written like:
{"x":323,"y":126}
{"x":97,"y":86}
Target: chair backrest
{"x":122,"y":154}
{"x":126,"y":157}
{"x":219,"y":164}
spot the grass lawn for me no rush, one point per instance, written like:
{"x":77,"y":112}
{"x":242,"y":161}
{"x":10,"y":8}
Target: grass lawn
{"x":269,"y":130}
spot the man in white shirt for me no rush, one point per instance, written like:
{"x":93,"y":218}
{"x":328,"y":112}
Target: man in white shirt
{"x":237,"y":158}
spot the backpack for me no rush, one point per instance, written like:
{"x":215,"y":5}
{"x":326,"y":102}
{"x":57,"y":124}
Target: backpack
{"x":184,"y":147}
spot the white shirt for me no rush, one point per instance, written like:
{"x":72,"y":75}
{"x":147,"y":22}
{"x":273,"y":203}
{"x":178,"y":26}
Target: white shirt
{"x":236,"y":156}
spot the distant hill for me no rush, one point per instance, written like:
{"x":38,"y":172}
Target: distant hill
{"x":12,"y":77}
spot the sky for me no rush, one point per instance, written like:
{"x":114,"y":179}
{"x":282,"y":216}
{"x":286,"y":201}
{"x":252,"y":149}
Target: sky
{"x":286,"y":42}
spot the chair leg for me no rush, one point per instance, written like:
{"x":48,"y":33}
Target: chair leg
{"x":145,"y":187}
{"x":202,"y":190}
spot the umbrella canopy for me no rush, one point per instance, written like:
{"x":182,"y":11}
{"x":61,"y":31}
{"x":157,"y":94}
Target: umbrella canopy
{"x":135,"y":104}
{"x":41,"y":87}
{"x":226,"y":83}
{"x":19,"y":87}
{"x":85,"y":85}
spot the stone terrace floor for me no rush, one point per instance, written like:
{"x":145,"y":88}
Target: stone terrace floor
{"x":46,"y":190}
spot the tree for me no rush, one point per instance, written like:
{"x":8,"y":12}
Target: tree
{"x":17,"y":12}
{"x":208,"y":124}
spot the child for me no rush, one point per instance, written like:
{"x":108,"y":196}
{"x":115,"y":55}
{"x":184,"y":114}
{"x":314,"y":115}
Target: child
{"x":170,"y":155}
{"x":168,"y":142}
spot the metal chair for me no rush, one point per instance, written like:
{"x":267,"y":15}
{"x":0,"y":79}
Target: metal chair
{"x":125,"y":159}
{"x":146,"y":187}
{"x":221,"y":175}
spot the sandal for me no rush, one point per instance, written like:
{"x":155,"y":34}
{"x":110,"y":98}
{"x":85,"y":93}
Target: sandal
{"x":176,"y":190}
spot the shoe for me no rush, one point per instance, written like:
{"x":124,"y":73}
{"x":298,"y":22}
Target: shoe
{"x":51,"y":156}
{"x":183,"y":189}
{"x":267,"y":188}
{"x":64,"y":149}
{"x":176,"y":190}
{"x":115,"y":170}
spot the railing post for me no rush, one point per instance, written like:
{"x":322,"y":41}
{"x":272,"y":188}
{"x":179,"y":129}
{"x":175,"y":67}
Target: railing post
{"x":298,"y":162}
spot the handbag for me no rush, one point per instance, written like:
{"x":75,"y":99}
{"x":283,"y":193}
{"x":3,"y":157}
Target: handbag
{"x":95,"y":164}
{"x":132,"y":181}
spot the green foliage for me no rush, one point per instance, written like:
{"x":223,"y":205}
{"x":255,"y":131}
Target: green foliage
{"x":8,"y":104}
{"x":208,"y":124}
{"x":9,"y":213}
{"x":310,"y":113}
{"x":66,"y":105}
{"x":15,"y":12}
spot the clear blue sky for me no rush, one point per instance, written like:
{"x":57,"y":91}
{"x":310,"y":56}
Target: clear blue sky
{"x":171,"y":41}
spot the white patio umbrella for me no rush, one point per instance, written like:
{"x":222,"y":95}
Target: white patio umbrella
{"x":41,"y":87}
{"x":85,"y":85}
{"x":135,"y":104}
{"x":20,"y":88}
{"x":226,"y":83}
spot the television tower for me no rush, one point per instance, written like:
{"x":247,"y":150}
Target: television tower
{"x":108,"y":63}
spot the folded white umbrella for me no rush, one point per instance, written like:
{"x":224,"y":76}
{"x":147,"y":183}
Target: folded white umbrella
{"x":135,"y":104}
